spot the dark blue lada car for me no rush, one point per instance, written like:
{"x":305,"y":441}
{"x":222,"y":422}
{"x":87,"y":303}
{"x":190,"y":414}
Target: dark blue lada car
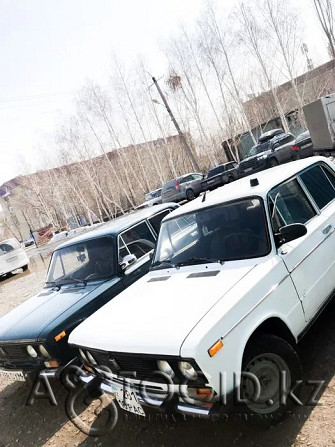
{"x":84,"y":274}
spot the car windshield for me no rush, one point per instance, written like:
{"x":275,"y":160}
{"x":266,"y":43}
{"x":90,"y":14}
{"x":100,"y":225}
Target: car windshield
{"x":230,"y":231}
{"x":258,"y":149}
{"x":86,"y":261}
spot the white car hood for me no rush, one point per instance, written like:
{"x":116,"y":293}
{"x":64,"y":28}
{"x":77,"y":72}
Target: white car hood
{"x":154,"y":316}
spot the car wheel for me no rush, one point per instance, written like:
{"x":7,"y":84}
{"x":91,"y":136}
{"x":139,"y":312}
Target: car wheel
{"x":190,"y":194}
{"x":230,"y":179}
{"x":277,"y":368}
{"x":273,"y":162}
{"x":25,"y":267}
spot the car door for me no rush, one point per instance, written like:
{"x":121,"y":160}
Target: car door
{"x":140,"y":241}
{"x":309,"y":259}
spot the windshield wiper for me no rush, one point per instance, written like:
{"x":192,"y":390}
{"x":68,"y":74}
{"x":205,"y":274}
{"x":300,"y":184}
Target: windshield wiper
{"x":54,"y":284}
{"x":81,"y":281}
{"x":193,"y":261}
{"x":165,"y":263}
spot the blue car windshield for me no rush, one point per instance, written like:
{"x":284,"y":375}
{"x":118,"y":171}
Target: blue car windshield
{"x":85,"y":261}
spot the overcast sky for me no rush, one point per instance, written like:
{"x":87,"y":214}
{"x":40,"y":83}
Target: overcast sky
{"x":48,"y":48}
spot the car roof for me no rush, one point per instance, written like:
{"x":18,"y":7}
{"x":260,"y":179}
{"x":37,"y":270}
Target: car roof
{"x":268,"y":135}
{"x":241,"y":188}
{"x":117,"y":225}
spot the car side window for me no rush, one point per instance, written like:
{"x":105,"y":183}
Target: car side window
{"x":289,"y":204}
{"x":319,"y":185}
{"x":137,"y":241}
{"x":196,"y":177}
{"x":156,"y":220}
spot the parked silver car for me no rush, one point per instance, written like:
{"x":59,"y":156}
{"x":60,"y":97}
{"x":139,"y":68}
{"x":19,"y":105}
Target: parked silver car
{"x":153,"y":197}
{"x":186,"y":187}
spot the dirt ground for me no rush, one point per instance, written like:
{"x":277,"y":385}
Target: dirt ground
{"x":46,"y":425}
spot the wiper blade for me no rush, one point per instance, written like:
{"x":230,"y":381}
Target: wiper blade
{"x":80,"y":281}
{"x":193,"y":261}
{"x":166,"y":263}
{"x":54,"y":284}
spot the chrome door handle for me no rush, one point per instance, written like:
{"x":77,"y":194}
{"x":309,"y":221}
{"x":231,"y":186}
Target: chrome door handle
{"x":327,"y":229}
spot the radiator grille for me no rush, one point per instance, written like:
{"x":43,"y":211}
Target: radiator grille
{"x":125,"y":364}
{"x":14,"y":352}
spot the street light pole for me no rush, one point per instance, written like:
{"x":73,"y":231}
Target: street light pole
{"x":187,"y":148}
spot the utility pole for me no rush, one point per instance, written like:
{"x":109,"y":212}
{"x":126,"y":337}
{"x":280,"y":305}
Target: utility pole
{"x":180,"y":133}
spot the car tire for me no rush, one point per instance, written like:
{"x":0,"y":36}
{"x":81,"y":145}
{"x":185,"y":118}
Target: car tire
{"x":25,"y":267}
{"x":273,"y":162}
{"x":230,"y":179}
{"x":190,"y":195}
{"x":272,"y":360}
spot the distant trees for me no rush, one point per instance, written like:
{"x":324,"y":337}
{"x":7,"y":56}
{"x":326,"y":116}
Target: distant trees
{"x":325,"y":12}
{"x":213,"y":68}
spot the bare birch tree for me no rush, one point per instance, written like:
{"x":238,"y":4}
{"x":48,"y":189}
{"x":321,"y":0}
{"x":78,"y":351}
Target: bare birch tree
{"x":325,"y":12}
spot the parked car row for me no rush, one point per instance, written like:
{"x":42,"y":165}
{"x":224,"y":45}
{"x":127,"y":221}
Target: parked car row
{"x":273,"y":148}
{"x":235,"y":281}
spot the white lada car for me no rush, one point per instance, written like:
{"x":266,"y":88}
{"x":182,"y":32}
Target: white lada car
{"x":237,"y":278}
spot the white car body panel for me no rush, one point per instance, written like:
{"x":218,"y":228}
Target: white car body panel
{"x":161,"y":299}
{"x":13,"y":260}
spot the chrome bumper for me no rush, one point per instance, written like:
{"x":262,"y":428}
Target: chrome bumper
{"x":179,"y":407}
{"x":49,"y":373}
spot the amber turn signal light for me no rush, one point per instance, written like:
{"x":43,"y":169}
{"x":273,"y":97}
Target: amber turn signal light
{"x":60,"y":336}
{"x":215,"y":348}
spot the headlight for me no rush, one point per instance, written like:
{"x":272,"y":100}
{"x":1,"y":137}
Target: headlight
{"x":43,"y":351}
{"x":83,"y":355}
{"x":187,"y":370}
{"x":262,"y":157}
{"x":165,"y":367}
{"x":90,"y":358}
{"x":31,"y":351}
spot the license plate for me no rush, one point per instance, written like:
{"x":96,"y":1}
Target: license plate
{"x":14,"y":258}
{"x":127,"y":400}
{"x":248,"y":170}
{"x":305,"y":145}
{"x":16,"y":376}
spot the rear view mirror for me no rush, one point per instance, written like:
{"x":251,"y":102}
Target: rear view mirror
{"x":127,"y":261}
{"x":290,"y":232}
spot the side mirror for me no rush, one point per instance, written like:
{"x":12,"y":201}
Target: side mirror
{"x":127,"y":261}
{"x":290,"y":232}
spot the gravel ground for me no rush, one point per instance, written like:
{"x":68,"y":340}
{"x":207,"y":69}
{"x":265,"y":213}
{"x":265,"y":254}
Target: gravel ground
{"x":43,"y":424}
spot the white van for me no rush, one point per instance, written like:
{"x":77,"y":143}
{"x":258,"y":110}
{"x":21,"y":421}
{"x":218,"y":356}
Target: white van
{"x":12,"y":256}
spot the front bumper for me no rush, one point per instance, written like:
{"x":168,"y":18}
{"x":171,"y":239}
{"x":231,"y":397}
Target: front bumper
{"x":154,"y":398}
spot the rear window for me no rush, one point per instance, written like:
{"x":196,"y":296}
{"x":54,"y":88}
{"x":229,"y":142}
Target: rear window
{"x":8,"y":246}
{"x":170,"y":184}
{"x":303,"y":136}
